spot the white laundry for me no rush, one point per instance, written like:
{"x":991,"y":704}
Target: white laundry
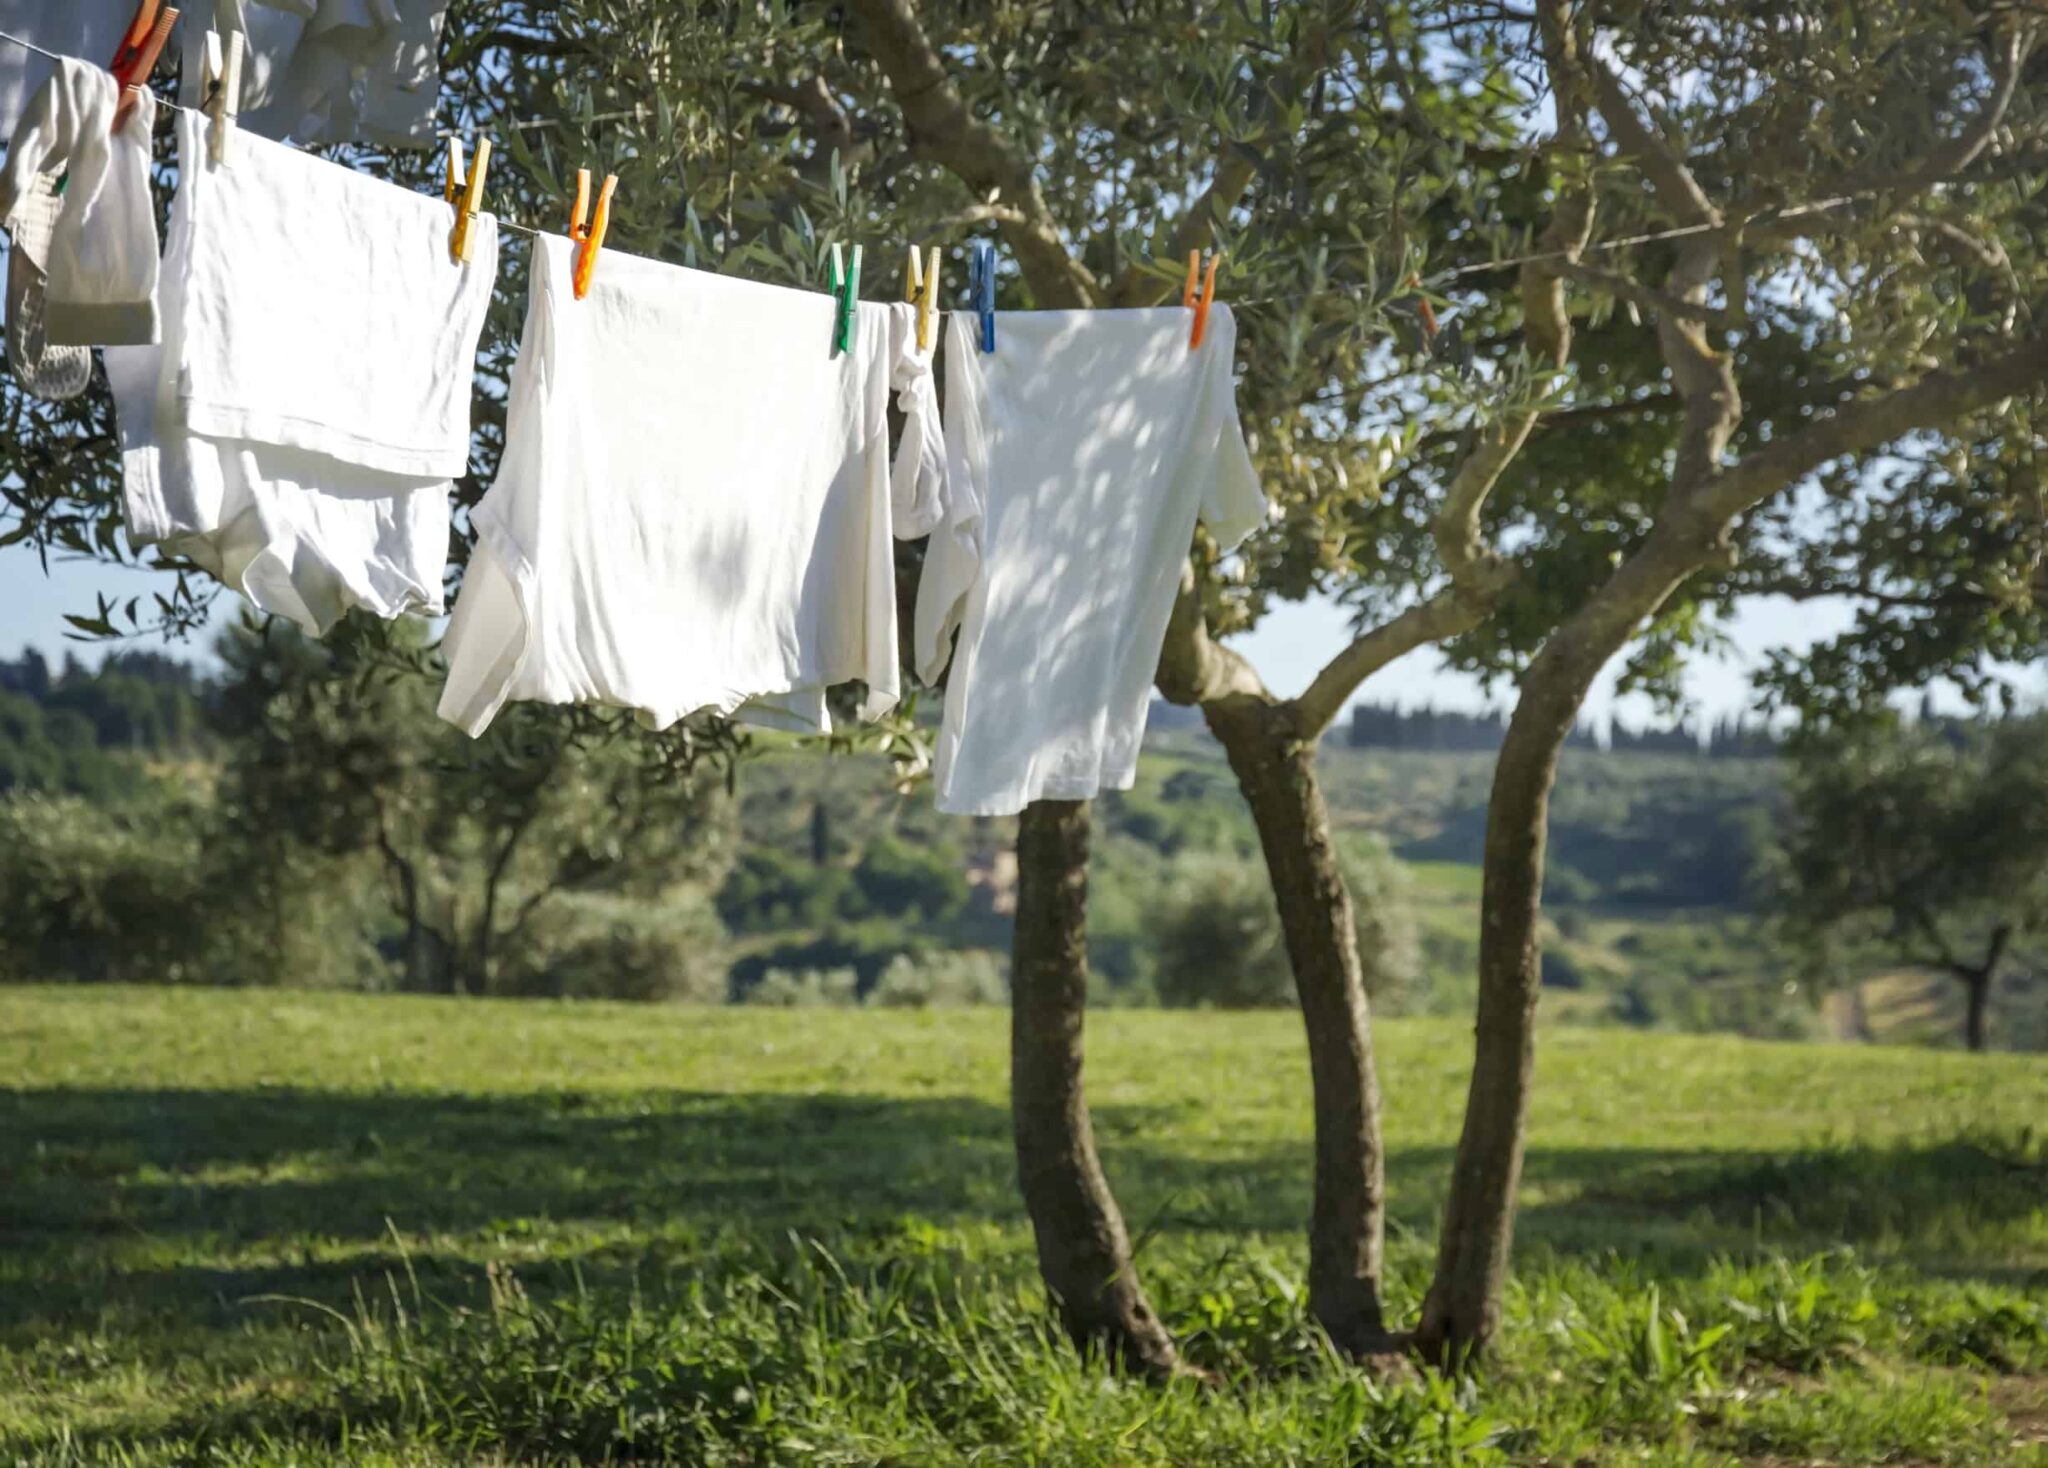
{"x":329,"y":71}
{"x":88,"y":29}
{"x":1080,"y":454}
{"x":298,"y":431}
{"x":83,"y":265}
{"x":696,"y":505}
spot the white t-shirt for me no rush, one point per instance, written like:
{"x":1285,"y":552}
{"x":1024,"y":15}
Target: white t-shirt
{"x":297,"y":432}
{"x":1079,"y":454}
{"x":694,"y":511}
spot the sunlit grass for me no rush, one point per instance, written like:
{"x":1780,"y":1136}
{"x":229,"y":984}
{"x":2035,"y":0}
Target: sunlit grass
{"x":278,"y":1226}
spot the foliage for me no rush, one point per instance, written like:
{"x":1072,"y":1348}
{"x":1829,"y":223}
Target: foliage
{"x":599,"y":945}
{"x":335,"y":749}
{"x":1220,"y":943}
{"x":105,"y":897}
{"x":808,"y":988}
{"x":966,"y":976}
{"x":83,"y":732}
{"x":1920,"y":841}
{"x":543,"y":1229}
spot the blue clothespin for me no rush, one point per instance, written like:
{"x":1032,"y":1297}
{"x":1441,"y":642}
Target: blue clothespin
{"x":981,"y":289}
{"x":846,"y":289}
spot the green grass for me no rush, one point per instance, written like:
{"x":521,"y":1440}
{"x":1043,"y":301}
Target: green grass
{"x":264,"y":1227}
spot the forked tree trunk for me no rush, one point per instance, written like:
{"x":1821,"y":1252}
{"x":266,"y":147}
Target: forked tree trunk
{"x":1275,"y":769}
{"x":1084,"y":1252}
{"x":1977,"y":981}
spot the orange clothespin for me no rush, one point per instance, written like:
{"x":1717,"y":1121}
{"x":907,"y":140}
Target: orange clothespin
{"x":589,"y":237}
{"x":137,"y":57}
{"x":466,"y":192}
{"x":921,"y":288}
{"x":1200,"y":303}
{"x":1422,"y":307}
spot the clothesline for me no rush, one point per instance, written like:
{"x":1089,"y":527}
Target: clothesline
{"x":1441,"y":277}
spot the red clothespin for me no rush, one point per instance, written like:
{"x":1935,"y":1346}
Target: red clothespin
{"x":589,"y":237}
{"x":140,"y":48}
{"x":1200,"y":303}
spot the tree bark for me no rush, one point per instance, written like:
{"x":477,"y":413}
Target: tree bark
{"x":1276,"y":771}
{"x":1461,"y":1313}
{"x":1084,"y":1253}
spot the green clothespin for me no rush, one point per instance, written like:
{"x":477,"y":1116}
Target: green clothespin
{"x":846,"y":289}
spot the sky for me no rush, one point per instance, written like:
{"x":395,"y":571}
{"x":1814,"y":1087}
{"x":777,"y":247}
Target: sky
{"x":1287,"y":648}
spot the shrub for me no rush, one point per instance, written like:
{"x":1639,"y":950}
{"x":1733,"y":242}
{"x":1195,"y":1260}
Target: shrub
{"x":961,"y":977}
{"x":769,"y":890}
{"x":599,"y":946}
{"x":98,"y":897}
{"x":816,"y":988}
{"x":896,"y":879}
{"x":1220,"y":942}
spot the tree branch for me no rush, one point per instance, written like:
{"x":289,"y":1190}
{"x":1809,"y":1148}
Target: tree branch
{"x":1868,"y":423}
{"x":1629,"y":289}
{"x":1676,"y":188}
{"x":943,"y":129}
{"x":1942,"y":163}
{"x":1194,"y":667}
{"x":1477,"y":575}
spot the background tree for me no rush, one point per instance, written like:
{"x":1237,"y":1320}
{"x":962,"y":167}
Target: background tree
{"x":1922,"y":843}
{"x":329,"y":749}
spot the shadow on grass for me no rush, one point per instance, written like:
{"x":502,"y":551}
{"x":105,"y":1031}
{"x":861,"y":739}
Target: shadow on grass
{"x":190,"y":1201}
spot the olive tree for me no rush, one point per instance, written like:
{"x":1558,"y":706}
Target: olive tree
{"x":1844,"y":201}
{"x":1919,"y":842}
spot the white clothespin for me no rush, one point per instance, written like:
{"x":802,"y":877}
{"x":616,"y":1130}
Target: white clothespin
{"x":221,"y":86}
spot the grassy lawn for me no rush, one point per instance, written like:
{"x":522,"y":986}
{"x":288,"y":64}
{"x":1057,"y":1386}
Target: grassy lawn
{"x":286,"y":1227}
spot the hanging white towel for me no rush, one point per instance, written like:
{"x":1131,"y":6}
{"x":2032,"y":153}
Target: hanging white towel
{"x":1080,"y":454}
{"x":298,"y":431}
{"x":83,"y":268}
{"x":694,"y":511}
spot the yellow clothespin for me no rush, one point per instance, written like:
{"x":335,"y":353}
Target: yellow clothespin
{"x":921,"y":286}
{"x":221,"y":87}
{"x":466,"y":192}
{"x":589,"y":237}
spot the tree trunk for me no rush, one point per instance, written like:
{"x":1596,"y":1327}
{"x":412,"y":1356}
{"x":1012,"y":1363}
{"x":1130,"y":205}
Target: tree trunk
{"x":1461,"y":1313}
{"x":1084,"y":1253}
{"x":1979,"y":1000}
{"x":1977,"y":982}
{"x":1275,"y":769}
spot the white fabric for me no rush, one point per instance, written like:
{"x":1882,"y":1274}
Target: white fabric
{"x":51,"y":373}
{"x":88,"y":29}
{"x":297,"y":432}
{"x":97,"y":260}
{"x":694,"y":511}
{"x":330,"y":71}
{"x":1079,"y":454}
